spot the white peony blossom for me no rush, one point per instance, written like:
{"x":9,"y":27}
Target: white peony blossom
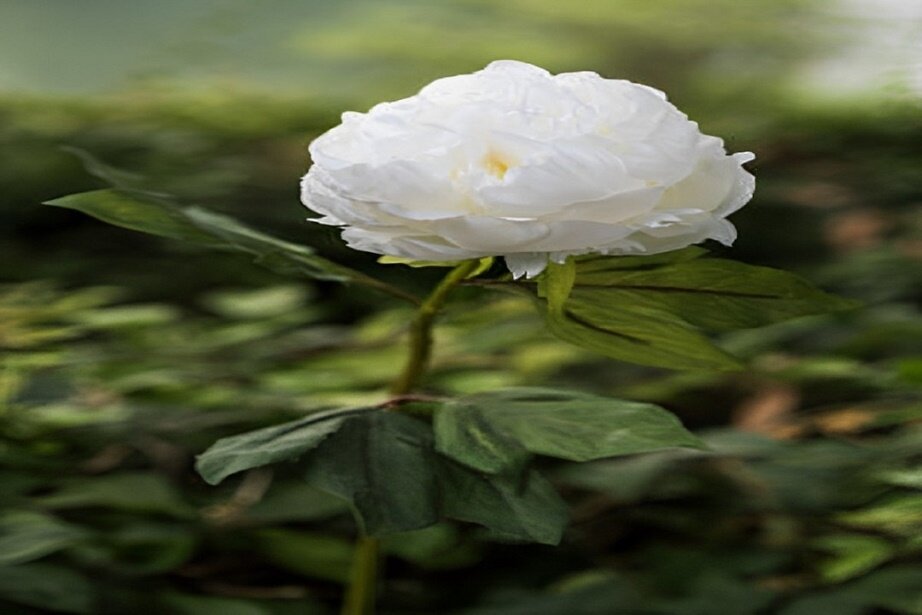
{"x":515,"y":161}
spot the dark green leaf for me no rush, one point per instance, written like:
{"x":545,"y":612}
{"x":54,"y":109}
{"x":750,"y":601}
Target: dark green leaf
{"x":149,"y":548}
{"x":45,"y":586}
{"x":138,"y":215}
{"x":294,"y":501}
{"x":211,"y":230}
{"x":487,"y":431}
{"x":596,"y":262}
{"x":895,"y":588}
{"x":438,"y":547}
{"x":125,"y":491}
{"x":134,"y":184}
{"x":635,"y":333}
{"x":270,"y":445}
{"x":193,"y":604}
{"x":311,"y":554}
{"x":714,"y":294}
{"x":599,"y":594}
{"x":382,"y":462}
{"x":523,"y":508}
{"x":464,"y":433}
{"x":649,"y":309}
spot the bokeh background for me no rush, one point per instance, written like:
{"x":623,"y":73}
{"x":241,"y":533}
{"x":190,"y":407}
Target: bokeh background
{"x":124,"y":355}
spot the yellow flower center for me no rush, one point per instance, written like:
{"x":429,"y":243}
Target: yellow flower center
{"x":496,"y":163}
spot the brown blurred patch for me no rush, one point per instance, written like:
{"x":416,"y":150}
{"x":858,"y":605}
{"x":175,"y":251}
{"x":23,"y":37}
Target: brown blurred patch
{"x":770,"y":411}
{"x":844,"y":421}
{"x":819,"y":195}
{"x":857,"y":229}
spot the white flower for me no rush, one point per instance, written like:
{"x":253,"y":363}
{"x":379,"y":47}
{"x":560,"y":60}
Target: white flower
{"x":514,"y":161}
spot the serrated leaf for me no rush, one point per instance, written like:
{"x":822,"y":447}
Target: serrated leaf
{"x":270,"y":445}
{"x":211,"y":230}
{"x":714,"y":294}
{"x":491,"y":431}
{"x":523,"y":508}
{"x":382,"y":462}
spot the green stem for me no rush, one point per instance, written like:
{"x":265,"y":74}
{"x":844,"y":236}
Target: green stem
{"x":360,"y":597}
{"x":363,"y":579}
{"x":421,"y":329}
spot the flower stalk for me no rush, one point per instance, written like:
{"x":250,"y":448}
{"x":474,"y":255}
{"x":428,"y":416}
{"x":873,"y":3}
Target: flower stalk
{"x":421,"y":328}
{"x":363,"y":578}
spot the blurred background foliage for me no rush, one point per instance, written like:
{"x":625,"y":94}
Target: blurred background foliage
{"x":123,"y":355}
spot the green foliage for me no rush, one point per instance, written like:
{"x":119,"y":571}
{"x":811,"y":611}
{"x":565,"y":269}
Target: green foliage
{"x":805,"y":501}
{"x":382,"y":463}
{"x":211,"y":230}
{"x":518,"y":508}
{"x":493,"y":432}
{"x":650,"y":310}
{"x":270,"y":445}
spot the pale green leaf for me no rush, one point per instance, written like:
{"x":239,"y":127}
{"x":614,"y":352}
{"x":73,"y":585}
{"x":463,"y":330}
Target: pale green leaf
{"x":27,"y":536}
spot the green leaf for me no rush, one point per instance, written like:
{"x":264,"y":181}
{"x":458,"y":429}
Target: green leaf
{"x":438,"y":547}
{"x":270,"y":445}
{"x":597,"y":262}
{"x":899,"y":514}
{"x":650,"y":309}
{"x":311,"y":554}
{"x":464,"y":433}
{"x":895,"y":588}
{"x":45,"y":586}
{"x":211,"y":230}
{"x":385,"y":464}
{"x":483,"y":265}
{"x":714,"y":294}
{"x":191,"y":604}
{"x":852,"y":555}
{"x":131,"y":491}
{"x":635,"y":333}
{"x":27,"y":536}
{"x":149,"y":548}
{"x":588,"y":593}
{"x":382,"y":462}
{"x":557,"y":283}
{"x":294,"y":501}
{"x":127,"y":182}
{"x":523,"y":508}
{"x":489,"y":431}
